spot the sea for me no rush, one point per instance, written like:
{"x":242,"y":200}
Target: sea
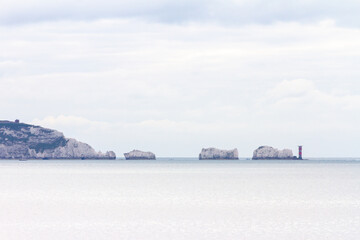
{"x":180,"y":198}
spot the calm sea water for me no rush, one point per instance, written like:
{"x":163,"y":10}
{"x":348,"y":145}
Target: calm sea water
{"x":180,"y":199}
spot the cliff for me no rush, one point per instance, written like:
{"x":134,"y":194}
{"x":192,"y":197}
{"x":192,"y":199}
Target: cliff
{"x":25,"y":141}
{"x":214,"y":153}
{"x":266,"y":152}
{"x":139,"y":155}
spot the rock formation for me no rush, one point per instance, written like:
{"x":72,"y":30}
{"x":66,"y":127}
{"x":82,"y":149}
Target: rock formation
{"x":214,"y":153}
{"x":139,"y":155}
{"x":266,"y":152}
{"x":24,"y":141}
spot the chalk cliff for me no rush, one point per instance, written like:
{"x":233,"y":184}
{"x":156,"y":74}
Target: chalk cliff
{"x":267,"y":152}
{"x":25,"y":141}
{"x":214,"y":153}
{"x":139,"y":155}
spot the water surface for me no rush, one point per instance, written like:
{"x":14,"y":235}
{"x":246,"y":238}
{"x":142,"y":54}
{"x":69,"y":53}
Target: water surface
{"x":180,"y":199}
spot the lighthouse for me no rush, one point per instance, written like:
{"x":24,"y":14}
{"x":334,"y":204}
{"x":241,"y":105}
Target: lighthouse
{"x":300,"y":152}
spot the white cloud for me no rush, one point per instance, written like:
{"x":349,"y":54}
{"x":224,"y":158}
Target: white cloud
{"x":220,"y":11}
{"x":166,"y":137}
{"x":298,"y":88}
{"x":292,"y":112}
{"x":124,"y":84}
{"x":61,"y":120}
{"x":304,"y":91}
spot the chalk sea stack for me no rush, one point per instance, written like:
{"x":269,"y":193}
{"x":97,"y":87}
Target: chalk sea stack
{"x":267,"y":152}
{"x":214,"y":153}
{"x":139,"y":155}
{"x":25,"y":141}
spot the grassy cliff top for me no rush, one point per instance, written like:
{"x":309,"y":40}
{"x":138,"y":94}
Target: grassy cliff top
{"x":34,"y":137}
{"x":14,"y":125}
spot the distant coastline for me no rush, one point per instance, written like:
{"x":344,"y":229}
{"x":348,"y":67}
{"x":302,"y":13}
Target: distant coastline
{"x":25,"y":141}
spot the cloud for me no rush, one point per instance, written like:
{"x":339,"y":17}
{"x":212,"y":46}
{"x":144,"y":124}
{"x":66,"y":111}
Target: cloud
{"x":120,"y":84}
{"x":165,"y":137}
{"x":146,"y":126}
{"x":231,"y":12}
{"x":301,"y":91}
{"x":298,"y":88}
{"x":40,"y":10}
{"x":62,"y":120}
{"x":292,"y":112}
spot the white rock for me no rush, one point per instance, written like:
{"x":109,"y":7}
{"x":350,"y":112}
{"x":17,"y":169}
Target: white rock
{"x":137,"y":154}
{"x":267,"y":152}
{"x":214,"y":153}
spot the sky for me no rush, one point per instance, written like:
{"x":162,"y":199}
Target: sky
{"x":173,"y":77}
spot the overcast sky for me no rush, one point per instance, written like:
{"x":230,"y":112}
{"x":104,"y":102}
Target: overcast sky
{"x":175,"y":76}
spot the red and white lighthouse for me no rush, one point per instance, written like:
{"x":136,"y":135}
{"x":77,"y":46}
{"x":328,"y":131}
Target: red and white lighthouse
{"x":300,"y":152}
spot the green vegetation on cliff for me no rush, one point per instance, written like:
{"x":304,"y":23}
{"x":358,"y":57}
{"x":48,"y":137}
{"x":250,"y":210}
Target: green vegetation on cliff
{"x":34,"y":137}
